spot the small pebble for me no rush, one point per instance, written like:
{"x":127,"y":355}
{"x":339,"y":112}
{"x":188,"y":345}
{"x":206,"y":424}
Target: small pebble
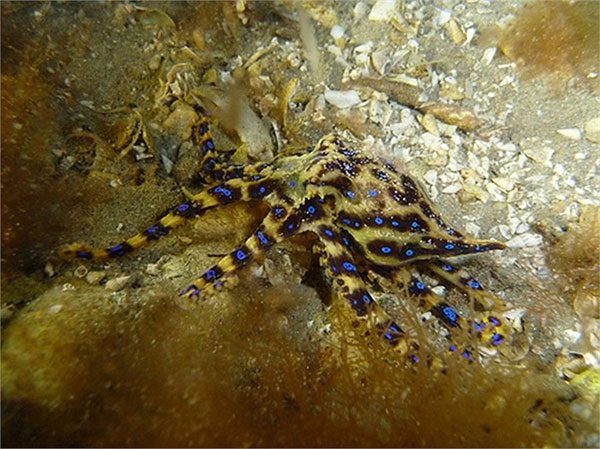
{"x":342,"y":98}
{"x":452,"y":188}
{"x":488,"y":55}
{"x":95,"y":277}
{"x":542,"y":155}
{"x":431,"y":177}
{"x":360,"y":9}
{"x":444,"y":17}
{"x":504,"y":183}
{"x":55,"y":308}
{"x":49,"y":269}
{"x":336,"y":32}
{"x":472,"y":229}
{"x":504,"y":231}
{"x":67,"y":287}
{"x":153,"y":269}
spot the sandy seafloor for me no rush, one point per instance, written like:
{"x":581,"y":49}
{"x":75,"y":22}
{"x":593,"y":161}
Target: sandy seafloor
{"x":102,"y":355}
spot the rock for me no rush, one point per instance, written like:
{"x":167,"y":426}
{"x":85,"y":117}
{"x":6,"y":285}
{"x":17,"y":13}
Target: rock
{"x":180,"y":121}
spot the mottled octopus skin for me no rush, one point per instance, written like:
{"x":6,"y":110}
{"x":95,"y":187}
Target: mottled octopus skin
{"x":367,"y":215}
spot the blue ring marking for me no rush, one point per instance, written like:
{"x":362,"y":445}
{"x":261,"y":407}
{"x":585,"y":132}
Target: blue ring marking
{"x":409,"y":252}
{"x":256,"y":177}
{"x":450,"y":231}
{"x":474,"y":284}
{"x":311,"y":209}
{"x":382,"y":176}
{"x":293,"y":184}
{"x":292,"y":226}
{"x":346,"y":221}
{"x":210,"y":274}
{"x":420,"y":285}
{"x":452,"y":348}
{"x":414,"y":224}
{"x":494,"y":321}
{"x":478,"y":248}
{"x":240,"y":254}
{"x":223,"y":190}
{"x":447,"y":267}
{"x":83,"y":254}
{"x":395,"y":223}
{"x":350,"y":194}
{"x":347,"y":152}
{"x":210,"y":144}
{"x":367,"y":298}
{"x":478,"y":326}
{"x":466,"y":354}
{"x":278,"y":210}
{"x":497,"y":339}
{"x":349,"y":266}
{"x":346,"y":241}
{"x":262,"y":238}
{"x":378,"y":220}
{"x":262,"y":190}
{"x":117,"y":249}
{"x":386,"y":249}
{"x":195,"y":291}
{"x":183,"y":207}
{"x":450,"y":313}
{"x":357,"y":224}
{"x":392,"y":328}
{"x":415,"y":359}
{"x":373,"y":193}
{"x":328,"y":232}
{"x":449,"y":246}
{"x":348,"y":167}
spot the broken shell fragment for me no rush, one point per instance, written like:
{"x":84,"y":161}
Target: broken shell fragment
{"x":342,"y":98}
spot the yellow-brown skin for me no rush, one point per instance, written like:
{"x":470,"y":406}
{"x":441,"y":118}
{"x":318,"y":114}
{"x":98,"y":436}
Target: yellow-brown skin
{"x":367,"y":215}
